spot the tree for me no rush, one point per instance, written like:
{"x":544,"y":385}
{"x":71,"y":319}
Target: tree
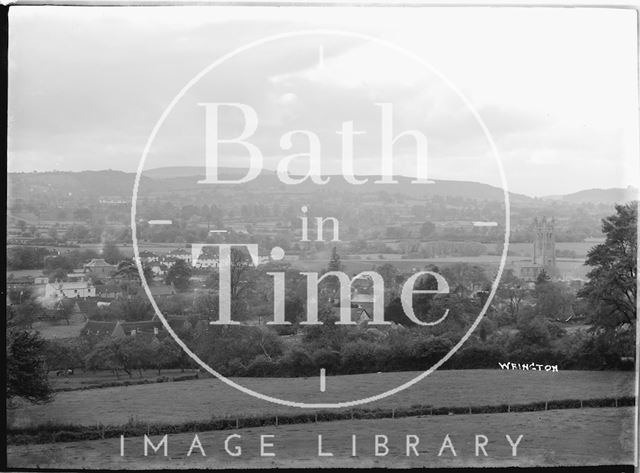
{"x":130,"y":309}
{"x":293,"y":309}
{"x":111,"y":253}
{"x":27,"y":257}
{"x":179,"y":275}
{"x":553,"y":300}
{"x":127,"y":272}
{"x":389,"y":275}
{"x":53,"y":232}
{"x":532,"y":331}
{"x":59,"y":274}
{"x":55,"y":263}
{"x":127,"y":269}
{"x":25,"y":314}
{"x":102,"y":357}
{"x":242,"y":271}
{"x":334,"y":262}
{"x":127,"y":353}
{"x":465,"y":278}
{"x":542,"y":278}
{"x":611,"y":288}
{"x":206,"y":304}
{"x":512,"y":290}
{"x":61,"y":355}
{"x":164,"y":353}
{"x":77,"y":232}
{"x":427,"y":229}
{"x":26,"y":375}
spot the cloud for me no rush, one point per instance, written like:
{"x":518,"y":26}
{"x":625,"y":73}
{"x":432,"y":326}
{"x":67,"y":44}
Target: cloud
{"x":87,"y":87}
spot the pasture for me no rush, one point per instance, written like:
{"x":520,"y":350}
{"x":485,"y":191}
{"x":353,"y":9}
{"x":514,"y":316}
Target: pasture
{"x":568,"y":437}
{"x":580,"y":247}
{"x":171,"y":403}
{"x":60,"y":329}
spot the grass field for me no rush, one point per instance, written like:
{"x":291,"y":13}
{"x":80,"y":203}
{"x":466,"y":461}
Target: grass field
{"x":203,"y":399}
{"x":60,"y":329}
{"x":570,"y":437}
{"x":580,"y":247}
{"x":570,"y":268}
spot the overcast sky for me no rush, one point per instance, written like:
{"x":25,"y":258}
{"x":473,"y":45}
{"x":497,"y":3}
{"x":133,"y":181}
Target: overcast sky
{"x":556,"y":88}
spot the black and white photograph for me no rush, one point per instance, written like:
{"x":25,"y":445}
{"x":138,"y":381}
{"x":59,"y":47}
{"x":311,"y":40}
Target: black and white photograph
{"x":281,"y":235}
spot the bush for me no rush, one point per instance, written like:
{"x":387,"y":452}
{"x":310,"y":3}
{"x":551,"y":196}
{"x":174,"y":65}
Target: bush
{"x":475,"y":357}
{"x":297,"y":363}
{"x":330,"y":360}
{"x":359,"y":357}
{"x":262,"y":366}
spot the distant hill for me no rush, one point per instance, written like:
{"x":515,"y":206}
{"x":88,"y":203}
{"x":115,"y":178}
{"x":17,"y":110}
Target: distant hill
{"x":198,"y":172}
{"x":174,"y":171}
{"x":87,"y":183}
{"x":182,"y":178}
{"x":599,"y":196}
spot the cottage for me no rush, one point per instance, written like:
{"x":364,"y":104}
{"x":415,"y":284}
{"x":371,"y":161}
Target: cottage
{"x":99,"y":268}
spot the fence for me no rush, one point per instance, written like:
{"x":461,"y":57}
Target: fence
{"x":49,"y":433}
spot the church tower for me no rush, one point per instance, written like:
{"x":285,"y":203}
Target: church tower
{"x":544,"y":245}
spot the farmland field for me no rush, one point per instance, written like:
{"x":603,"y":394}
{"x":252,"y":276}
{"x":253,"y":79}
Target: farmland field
{"x":60,"y":328}
{"x":571,"y":268}
{"x":567,"y":437}
{"x":580,"y":247}
{"x":173,"y":403}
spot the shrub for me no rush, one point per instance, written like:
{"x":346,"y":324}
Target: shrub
{"x":330,"y":360}
{"x":261,"y":366}
{"x":359,"y":357}
{"x":476,"y":356}
{"x":297,"y":363}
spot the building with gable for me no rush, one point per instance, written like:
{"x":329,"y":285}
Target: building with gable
{"x":99,"y":268}
{"x":544,"y":251}
{"x":69,"y":289}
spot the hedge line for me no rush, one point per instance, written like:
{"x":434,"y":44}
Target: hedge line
{"x":51,"y":432}
{"x":130,"y":382}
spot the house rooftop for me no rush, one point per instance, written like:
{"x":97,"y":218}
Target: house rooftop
{"x":98,"y":263}
{"x":71,"y":285}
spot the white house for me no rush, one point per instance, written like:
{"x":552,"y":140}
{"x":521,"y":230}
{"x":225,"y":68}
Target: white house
{"x":206,"y":262}
{"x":71,"y":289}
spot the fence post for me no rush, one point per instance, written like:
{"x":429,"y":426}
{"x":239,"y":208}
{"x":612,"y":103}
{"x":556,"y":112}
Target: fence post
{"x":469,"y":409}
{"x":580,"y":403}
{"x":276,"y":421}
{"x":237,"y":423}
{"x":393,"y":412}
{"x":616,"y":399}
{"x":546,"y":405}
{"x":508,"y":408}
{"x":316,"y":417}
